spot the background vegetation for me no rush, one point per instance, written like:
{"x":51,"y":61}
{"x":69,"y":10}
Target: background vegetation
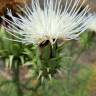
{"x":76,"y":76}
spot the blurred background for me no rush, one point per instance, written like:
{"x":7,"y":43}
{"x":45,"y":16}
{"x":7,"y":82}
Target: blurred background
{"x":76,"y":78}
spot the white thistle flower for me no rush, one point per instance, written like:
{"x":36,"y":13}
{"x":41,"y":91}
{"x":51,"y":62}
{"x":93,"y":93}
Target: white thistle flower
{"x":51,"y":23}
{"x":92,"y":23}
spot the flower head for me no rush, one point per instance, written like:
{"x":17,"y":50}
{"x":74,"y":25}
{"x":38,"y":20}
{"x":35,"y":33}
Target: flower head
{"x":50,"y":23}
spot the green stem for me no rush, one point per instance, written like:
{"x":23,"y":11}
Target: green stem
{"x":16,"y":79}
{"x":48,"y":57}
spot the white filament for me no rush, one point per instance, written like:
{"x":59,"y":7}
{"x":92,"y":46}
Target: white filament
{"x":52,"y":22}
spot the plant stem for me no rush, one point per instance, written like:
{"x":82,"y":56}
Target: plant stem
{"x":16,"y":79}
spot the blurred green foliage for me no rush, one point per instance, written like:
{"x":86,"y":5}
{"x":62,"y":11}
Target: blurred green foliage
{"x":71,"y":78}
{"x":11,"y":50}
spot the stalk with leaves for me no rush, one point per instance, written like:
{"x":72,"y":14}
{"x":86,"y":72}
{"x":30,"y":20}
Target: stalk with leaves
{"x":43,"y":28}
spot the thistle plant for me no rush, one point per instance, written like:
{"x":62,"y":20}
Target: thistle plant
{"x":45,"y":28}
